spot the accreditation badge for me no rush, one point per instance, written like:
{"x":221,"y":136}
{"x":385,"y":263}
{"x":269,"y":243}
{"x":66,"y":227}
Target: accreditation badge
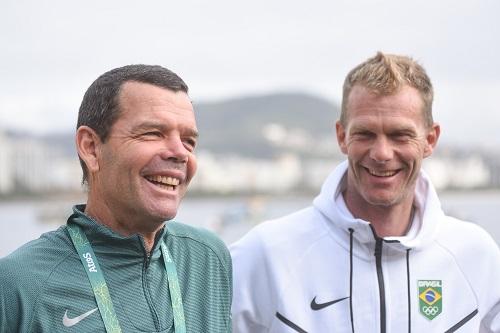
{"x":430,"y":298}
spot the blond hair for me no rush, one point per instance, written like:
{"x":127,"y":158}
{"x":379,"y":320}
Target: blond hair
{"x":386,"y":74}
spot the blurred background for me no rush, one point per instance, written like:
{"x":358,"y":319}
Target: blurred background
{"x":265,"y":78}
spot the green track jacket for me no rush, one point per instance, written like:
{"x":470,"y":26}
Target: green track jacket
{"x":44,"y":288}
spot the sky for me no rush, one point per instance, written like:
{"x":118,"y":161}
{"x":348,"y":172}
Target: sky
{"x":51,"y":51}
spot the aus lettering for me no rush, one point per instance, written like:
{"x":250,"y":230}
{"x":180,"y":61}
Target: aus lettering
{"x":90,"y":262}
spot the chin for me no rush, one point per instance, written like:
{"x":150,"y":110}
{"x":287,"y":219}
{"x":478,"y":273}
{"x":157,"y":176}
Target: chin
{"x":162,"y":209}
{"x":381,"y":200}
{"x":169,"y":217}
{"x":166,"y":215}
{"x":161,"y":215}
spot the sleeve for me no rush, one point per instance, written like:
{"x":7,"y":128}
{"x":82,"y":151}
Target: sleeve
{"x":480,"y":261}
{"x":487,"y":281}
{"x":11,"y":315}
{"x":253,"y":292}
{"x":490,"y":286}
{"x":229,"y":294}
{"x":6,"y":322}
{"x":478,"y":257}
{"x":491,"y":322}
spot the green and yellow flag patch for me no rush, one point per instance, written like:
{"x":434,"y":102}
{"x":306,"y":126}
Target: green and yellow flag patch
{"x":430,"y":297}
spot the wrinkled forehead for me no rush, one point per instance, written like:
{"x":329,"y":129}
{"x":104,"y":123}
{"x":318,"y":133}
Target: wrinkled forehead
{"x":133,"y":92}
{"x":142,"y":103}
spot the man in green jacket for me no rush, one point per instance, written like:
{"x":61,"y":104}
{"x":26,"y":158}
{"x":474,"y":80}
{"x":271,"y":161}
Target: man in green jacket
{"x":117,"y":265}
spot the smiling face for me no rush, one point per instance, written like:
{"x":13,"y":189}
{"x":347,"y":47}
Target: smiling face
{"x":385,"y":140}
{"x":147,"y":162}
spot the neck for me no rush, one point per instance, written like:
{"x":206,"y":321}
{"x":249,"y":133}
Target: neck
{"x":149,"y":242}
{"x":388,"y":221}
{"x":123,"y":226}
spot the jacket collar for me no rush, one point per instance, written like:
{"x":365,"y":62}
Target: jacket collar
{"x":107,"y":242}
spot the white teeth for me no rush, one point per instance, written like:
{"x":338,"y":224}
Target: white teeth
{"x":382,"y":173}
{"x":169,"y":181}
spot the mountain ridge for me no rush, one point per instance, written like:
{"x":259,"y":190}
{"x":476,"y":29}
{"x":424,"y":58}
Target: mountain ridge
{"x":243,"y":125}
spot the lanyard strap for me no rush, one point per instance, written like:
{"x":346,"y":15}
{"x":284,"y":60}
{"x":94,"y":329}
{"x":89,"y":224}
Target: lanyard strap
{"x":100,"y":288}
{"x":94,"y":273}
{"x":175,"y":291}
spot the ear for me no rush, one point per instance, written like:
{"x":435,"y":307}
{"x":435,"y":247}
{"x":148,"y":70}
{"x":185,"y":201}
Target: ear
{"x":341,"y":137}
{"x":88,"y":146}
{"x":432,"y":138}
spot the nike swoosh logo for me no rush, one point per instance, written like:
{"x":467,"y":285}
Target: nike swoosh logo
{"x":315,"y":306}
{"x":68,"y":322}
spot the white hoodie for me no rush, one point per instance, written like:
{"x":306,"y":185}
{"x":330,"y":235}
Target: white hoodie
{"x":316,"y":271}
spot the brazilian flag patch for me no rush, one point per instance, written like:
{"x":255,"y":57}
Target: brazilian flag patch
{"x":430,"y":297}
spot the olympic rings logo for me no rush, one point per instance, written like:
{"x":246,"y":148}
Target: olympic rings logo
{"x":430,"y":310}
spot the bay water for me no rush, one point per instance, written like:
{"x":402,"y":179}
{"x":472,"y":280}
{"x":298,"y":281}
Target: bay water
{"x":229,"y":217}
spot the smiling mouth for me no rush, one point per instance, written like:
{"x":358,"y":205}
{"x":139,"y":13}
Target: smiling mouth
{"x":382,"y":173}
{"x":168,"y":183}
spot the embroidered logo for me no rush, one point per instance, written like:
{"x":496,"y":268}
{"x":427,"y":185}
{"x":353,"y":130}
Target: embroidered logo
{"x":430,"y":298}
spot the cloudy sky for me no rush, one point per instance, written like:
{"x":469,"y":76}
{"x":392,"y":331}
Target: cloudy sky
{"x":52,"y":50}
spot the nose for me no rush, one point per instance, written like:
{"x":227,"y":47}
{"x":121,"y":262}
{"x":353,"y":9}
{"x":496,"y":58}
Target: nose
{"x":174,"y":149}
{"x":381,"y":150}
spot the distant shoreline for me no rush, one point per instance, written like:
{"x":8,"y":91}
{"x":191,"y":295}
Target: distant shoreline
{"x":81,"y":196}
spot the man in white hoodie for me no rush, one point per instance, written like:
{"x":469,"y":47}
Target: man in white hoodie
{"x":375,"y":252}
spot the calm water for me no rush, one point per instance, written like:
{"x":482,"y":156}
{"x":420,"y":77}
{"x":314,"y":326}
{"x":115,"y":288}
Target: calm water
{"x":229,"y":217}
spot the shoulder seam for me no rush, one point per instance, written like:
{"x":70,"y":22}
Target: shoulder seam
{"x":445,"y":248}
{"x":183,"y":235}
{"x":261,"y":251}
{"x":324,"y":232}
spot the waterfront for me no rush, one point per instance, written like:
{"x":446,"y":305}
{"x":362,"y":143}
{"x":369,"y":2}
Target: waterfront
{"x":230,"y":217}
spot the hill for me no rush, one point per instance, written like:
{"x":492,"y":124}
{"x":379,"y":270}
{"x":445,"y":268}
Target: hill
{"x":261,"y":126}
{"x":256,"y":126}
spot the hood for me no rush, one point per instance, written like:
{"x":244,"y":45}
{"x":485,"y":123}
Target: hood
{"x":427,"y":215}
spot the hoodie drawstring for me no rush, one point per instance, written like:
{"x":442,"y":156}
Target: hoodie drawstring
{"x":408,"y":286}
{"x":351,"y":232}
